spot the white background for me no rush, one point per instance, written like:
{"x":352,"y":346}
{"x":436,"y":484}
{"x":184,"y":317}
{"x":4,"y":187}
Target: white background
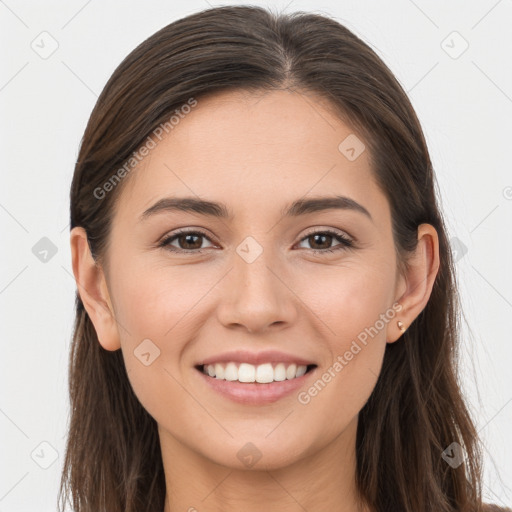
{"x":463,"y":103}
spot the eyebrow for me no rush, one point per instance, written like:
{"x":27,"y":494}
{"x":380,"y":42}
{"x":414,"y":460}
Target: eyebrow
{"x":220,"y":210}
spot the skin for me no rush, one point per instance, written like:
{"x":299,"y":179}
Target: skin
{"x":256,"y":154}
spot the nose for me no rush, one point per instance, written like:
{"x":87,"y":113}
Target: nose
{"x":255,"y":295}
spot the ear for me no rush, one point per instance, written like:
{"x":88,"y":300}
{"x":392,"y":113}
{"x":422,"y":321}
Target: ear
{"x":93,"y":291}
{"x":416,"y":286}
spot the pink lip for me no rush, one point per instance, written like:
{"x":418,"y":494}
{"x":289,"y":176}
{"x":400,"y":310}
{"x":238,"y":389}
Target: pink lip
{"x":254,"y":393}
{"x":264,"y":356}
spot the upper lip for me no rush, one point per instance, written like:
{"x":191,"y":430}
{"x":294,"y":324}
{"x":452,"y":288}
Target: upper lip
{"x":255,"y":358}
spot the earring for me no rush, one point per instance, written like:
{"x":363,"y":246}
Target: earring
{"x":401,"y":326}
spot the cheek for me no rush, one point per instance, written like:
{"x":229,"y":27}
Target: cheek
{"x":162,"y":310}
{"x":158,"y":315}
{"x":349,"y":300}
{"x":353,"y":312}
{"x":340,"y":391}
{"x":158,"y":303}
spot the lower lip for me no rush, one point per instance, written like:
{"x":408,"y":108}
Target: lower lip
{"x":254,"y":393}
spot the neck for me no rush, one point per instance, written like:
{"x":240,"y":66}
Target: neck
{"x":322,"y":480}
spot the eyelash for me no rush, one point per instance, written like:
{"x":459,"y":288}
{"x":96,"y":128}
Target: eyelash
{"x":345,"y":243}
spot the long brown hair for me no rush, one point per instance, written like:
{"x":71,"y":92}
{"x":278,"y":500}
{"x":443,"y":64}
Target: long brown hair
{"x":113,"y":461}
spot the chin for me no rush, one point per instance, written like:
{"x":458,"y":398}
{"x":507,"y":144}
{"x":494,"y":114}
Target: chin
{"x":257,"y":455}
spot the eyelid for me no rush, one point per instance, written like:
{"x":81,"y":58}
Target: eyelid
{"x":332,"y":231}
{"x":165,"y":241}
{"x":347,"y":241}
{"x":185,"y":231}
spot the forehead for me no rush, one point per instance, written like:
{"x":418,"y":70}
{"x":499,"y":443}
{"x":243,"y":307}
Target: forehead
{"x":254,"y":151}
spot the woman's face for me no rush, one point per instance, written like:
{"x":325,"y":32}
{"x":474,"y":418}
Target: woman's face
{"x":262,"y":282}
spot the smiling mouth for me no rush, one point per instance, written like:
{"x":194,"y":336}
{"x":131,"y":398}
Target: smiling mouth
{"x":265,"y":373}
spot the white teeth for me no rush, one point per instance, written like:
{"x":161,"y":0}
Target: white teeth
{"x":280,"y":372}
{"x":301,"y":370}
{"x":219,"y":371}
{"x":263,"y":373}
{"x":231,"y":372}
{"x":291,"y":371}
{"x":246,"y":373}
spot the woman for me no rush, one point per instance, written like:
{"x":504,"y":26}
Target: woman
{"x":267,"y":314}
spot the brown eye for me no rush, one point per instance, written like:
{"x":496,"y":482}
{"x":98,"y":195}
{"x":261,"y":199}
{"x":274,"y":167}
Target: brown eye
{"x":320,"y":241}
{"x":188,"y":241}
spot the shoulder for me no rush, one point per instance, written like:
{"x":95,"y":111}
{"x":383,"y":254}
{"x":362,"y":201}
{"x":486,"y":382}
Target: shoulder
{"x":488,"y":507}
